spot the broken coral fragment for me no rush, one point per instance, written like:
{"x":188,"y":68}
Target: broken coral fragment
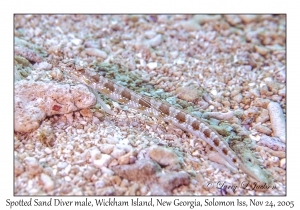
{"x":96,"y":52}
{"x":277,"y":120}
{"x":36,"y":100}
{"x":218,"y":115}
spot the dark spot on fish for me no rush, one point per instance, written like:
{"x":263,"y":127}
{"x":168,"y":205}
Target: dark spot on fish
{"x":164,"y":109}
{"x":144,"y":102}
{"x":109,"y":86}
{"x":180,"y":117}
{"x":126,"y":94}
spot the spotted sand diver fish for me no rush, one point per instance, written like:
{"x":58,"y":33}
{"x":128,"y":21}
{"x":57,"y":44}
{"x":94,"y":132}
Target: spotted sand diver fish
{"x":154,"y":108}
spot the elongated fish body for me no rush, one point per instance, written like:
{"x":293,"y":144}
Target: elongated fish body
{"x":170,"y":114}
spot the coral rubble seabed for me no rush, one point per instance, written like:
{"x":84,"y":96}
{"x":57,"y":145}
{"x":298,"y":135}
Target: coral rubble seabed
{"x":229,"y":69}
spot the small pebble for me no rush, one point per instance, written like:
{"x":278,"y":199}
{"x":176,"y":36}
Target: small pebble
{"x":126,"y":159}
{"x":233,"y":19}
{"x":255,"y":92}
{"x":282,"y":92}
{"x":282,"y":163}
{"x":107,"y":171}
{"x":156,"y":40}
{"x":101,"y":183}
{"x":248,"y":18}
{"x":276,"y":98}
{"x":104,"y":161}
{"x":261,"y":102}
{"x":263,"y":117}
{"x":38,"y":31}
{"x":86,"y":113}
{"x":67,"y":178}
{"x":190,"y":25}
{"x":133,"y":189}
{"x":47,"y":181}
{"x":117,"y":153}
{"x":152,"y":65}
{"x":76,"y":41}
{"x":150,"y":34}
{"x":19,"y":168}
{"x":62,"y":165}
{"x":48,"y":150}
{"x":96,"y":52}
{"x":95,"y":153}
{"x":106,"y":148}
{"x":99,"y":115}
{"x":112,"y":140}
{"x":32,"y":166}
{"x":95,"y":120}
{"x":89,"y":172}
{"x":105,"y":191}
{"x":187,"y":93}
{"x":238,"y":98}
{"x":201,"y":19}
{"x":261,"y":50}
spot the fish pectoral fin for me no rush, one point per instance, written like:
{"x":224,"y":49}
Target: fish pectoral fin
{"x":101,"y":102}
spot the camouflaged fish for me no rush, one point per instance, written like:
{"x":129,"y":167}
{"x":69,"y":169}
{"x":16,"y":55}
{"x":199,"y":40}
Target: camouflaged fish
{"x":245,"y":161}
